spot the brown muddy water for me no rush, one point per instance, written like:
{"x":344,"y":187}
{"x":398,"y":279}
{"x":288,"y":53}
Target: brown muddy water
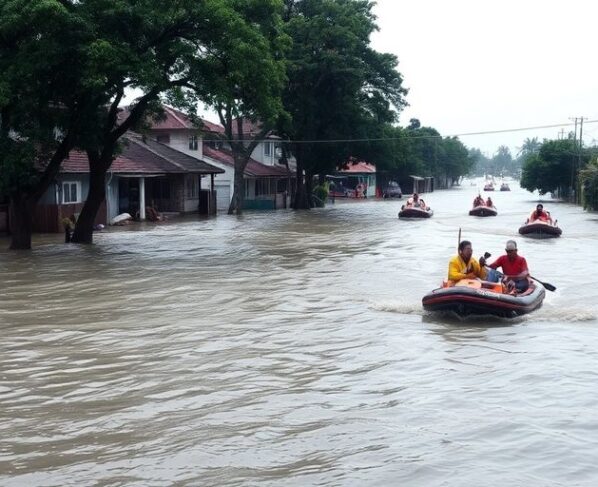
{"x":285,"y":348}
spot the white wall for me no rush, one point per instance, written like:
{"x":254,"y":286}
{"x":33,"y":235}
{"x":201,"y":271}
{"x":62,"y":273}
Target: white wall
{"x":225,"y":179}
{"x":179,"y":140}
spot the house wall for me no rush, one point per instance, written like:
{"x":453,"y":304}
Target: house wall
{"x":49,"y":214}
{"x":112,"y":197}
{"x":48,"y":218}
{"x":191,"y":205}
{"x":223,"y":184}
{"x":179,"y":140}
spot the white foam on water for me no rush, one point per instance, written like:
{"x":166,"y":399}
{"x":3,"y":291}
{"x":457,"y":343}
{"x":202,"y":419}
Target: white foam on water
{"x":564,"y":314}
{"x":400,"y":307}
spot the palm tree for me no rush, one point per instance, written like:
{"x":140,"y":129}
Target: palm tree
{"x":530,"y":146}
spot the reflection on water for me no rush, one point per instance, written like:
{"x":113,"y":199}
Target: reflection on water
{"x":291,"y":349}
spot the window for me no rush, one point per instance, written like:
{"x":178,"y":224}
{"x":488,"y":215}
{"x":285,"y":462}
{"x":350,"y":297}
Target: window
{"x":267,"y":149}
{"x":265,"y":186}
{"x":192,"y":187}
{"x":193,"y":143}
{"x":71,"y":192}
{"x":163,"y":139}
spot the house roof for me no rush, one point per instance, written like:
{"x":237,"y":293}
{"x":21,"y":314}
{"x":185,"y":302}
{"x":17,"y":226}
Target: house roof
{"x":177,"y":120}
{"x":253,"y":168}
{"x":174,"y":119}
{"x":141,"y":156}
{"x":247,"y":126}
{"x":359,"y":167}
{"x":187,"y":163}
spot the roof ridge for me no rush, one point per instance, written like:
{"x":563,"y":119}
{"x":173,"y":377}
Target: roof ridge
{"x":153,"y":151}
{"x":176,"y":116}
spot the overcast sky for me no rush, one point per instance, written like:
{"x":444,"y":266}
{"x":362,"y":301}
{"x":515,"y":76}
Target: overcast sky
{"x":480,"y":65}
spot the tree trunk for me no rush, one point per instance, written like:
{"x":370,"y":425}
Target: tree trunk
{"x":20,"y":217}
{"x":97,"y":193}
{"x":236,"y":203}
{"x":301,"y":200}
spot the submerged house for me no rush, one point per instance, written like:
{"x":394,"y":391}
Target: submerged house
{"x":146,"y":174}
{"x":355,"y":180}
{"x":268,"y":183}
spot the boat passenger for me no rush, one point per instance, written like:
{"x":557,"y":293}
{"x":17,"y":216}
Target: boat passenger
{"x":415,"y":202}
{"x":539,"y":214}
{"x":464,"y":266}
{"x":478,"y":201}
{"x":514,"y":268}
{"x":489,"y":202}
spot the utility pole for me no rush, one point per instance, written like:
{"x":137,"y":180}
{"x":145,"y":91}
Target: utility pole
{"x":573,"y":165}
{"x":561,"y":135}
{"x":579,"y":151}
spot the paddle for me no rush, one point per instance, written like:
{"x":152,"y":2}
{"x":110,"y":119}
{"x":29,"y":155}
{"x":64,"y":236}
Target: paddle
{"x":547,"y":285}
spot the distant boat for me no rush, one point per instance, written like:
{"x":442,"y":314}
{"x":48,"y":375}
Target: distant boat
{"x":505,"y":187}
{"x":412,"y":212}
{"x":489,"y":187}
{"x":540,"y":229}
{"x":483,"y":210}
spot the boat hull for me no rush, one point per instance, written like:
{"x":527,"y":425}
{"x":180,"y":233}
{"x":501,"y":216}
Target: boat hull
{"x":483,"y":211}
{"x":540,"y":230}
{"x":465,"y":300}
{"x":415,"y":213}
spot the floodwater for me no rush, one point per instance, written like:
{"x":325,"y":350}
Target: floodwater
{"x":285,"y":348}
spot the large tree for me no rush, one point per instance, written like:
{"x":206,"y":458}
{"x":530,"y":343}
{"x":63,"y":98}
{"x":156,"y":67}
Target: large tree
{"x":173,"y":45}
{"x":339,"y":88}
{"x":554,"y":167}
{"x":244,"y":84}
{"x":39,"y":112}
{"x":589,"y":183}
{"x":104,"y":48}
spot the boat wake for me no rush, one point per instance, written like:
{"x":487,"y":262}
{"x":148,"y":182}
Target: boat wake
{"x":561,"y":314}
{"x":398,"y":307}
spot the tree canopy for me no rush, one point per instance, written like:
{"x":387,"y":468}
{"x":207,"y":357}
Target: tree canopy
{"x":339,"y":88}
{"x":554,"y":167}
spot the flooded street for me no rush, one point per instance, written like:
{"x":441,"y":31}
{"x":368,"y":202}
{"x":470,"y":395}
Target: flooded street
{"x":291,"y":348}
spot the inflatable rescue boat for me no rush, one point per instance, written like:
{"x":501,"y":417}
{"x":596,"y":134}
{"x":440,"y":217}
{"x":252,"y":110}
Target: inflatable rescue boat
{"x":540,"y":229}
{"x":471,"y":296}
{"x":412,"y":212}
{"x":483,"y":210}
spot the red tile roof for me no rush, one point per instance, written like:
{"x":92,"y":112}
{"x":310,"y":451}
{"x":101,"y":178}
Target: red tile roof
{"x":253,"y":168}
{"x":361,"y":166}
{"x":248,"y":127}
{"x":141,"y":156}
{"x":177,"y":120}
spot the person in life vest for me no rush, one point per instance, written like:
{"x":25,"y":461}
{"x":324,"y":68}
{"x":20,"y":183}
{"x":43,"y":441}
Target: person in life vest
{"x":514,"y":268}
{"x":478,"y":201}
{"x":464,"y":266}
{"x":414,"y":202}
{"x":489,"y":202}
{"x":539,"y":215}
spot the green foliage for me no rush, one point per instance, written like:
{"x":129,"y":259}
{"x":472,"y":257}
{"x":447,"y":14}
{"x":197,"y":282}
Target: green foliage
{"x":553,"y":167}
{"x":339,"y":87}
{"x":39,"y":39}
{"x":589,"y":183}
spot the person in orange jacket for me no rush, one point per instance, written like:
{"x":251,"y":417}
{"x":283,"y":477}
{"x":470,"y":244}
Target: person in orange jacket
{"x":539,"y":214}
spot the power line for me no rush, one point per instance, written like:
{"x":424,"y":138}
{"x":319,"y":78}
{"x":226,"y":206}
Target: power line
{"x":410,"y":137}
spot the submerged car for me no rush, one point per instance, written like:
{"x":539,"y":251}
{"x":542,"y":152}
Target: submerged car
{"x":393,"y":190}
